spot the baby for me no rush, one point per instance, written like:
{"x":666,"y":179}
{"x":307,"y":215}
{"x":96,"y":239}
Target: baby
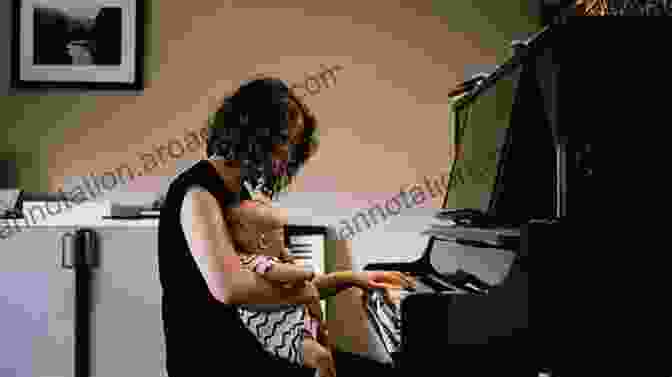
{"x":258,"y":234}
{"x":257,"y":230}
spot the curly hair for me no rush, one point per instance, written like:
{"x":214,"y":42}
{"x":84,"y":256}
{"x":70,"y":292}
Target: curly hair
{"x":250,"y":122}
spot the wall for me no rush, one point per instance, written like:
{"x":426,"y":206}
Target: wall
{"x":5,"y":33}
{"x":194,"y":57}
{"x":384,"y":122}
{"x":32,"y":121}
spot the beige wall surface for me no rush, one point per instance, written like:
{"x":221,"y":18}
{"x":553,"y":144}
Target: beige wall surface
{"x":384,"y":114}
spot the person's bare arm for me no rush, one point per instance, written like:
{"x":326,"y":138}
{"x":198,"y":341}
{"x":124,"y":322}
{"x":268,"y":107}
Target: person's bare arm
{"x":212,"y":248}
{"x":333,"y":283}
{"x":288,"y":273}
{"x":274,"y":270}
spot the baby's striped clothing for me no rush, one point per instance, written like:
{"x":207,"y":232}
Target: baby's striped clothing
{"x":262,"y":264}
{"x":285,"y":325}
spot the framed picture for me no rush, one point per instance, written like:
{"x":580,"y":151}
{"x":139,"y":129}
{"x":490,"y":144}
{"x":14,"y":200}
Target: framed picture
{"x":79,"y":44}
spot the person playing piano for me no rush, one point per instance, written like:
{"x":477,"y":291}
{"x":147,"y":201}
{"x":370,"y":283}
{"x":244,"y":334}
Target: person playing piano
{"x":202,"y":280}
{"x":262,"y":250}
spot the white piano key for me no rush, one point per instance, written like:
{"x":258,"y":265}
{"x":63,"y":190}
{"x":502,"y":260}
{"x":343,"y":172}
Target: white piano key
{"x":309,"y":251}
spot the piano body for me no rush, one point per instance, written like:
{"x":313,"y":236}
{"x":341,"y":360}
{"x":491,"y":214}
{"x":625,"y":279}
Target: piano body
{"x":521,"y":207}
{"x":526,"y":197}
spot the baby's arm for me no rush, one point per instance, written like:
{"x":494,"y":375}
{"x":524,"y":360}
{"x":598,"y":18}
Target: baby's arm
{"x":271,"y":269}
{"x":331,"y":284}
{"x":288,"y":273}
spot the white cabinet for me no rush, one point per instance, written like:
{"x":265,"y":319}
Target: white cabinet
{"x":36,"y":305}
{"x":127,"y":329}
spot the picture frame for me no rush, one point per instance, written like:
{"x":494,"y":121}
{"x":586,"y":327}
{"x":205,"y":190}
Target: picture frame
{"x":78,"y":44}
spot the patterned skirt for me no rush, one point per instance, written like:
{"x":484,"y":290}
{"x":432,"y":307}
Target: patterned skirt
{"x":279,"y":332}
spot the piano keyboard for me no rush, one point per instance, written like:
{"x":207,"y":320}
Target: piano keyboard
{"x":308,"y":251}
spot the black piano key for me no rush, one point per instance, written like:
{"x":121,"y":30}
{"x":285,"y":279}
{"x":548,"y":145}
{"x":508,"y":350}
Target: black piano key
{"x":301,"y":251}
{"x":291,"y":245}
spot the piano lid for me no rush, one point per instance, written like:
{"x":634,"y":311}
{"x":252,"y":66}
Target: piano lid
{"x":513,"y":182}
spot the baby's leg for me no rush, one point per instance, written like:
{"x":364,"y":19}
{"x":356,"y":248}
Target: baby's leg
{"x":317,"y":357}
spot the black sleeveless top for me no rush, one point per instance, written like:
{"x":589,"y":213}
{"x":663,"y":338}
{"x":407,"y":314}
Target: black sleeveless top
{"x":202,"y":335}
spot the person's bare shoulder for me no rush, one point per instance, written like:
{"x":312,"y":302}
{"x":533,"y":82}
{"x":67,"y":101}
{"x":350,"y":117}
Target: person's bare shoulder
{"x":209,"y":240}
{"x":263,"y":217}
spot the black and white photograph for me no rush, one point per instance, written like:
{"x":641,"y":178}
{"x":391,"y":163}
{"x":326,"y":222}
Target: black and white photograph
{"x":78,"y":44}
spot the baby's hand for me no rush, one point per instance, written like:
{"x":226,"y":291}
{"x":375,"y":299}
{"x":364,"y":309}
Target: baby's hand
{"x":384,"y":279}
{"x":315,"y":310}
{"x":323,"y":336}
{"x":318,"y":357}
{"x":286,"y":256}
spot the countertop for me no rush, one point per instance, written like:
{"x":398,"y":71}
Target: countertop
{"x":88,"y":214}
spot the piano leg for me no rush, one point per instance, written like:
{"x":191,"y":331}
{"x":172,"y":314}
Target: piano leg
{"x":424,"y":331}
{"x":474,"y":335}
